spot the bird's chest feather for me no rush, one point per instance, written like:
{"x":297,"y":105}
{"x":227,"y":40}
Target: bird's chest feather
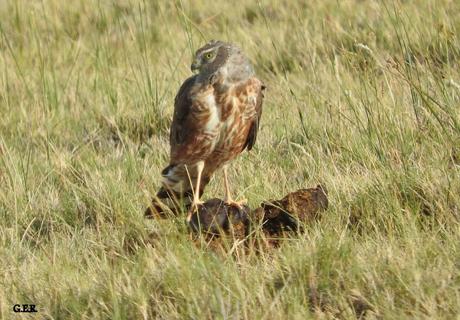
{"x":213,"y":121}
{"x":237,"y":110}
{"x":222,"y":112}
{"x":206,"y":112}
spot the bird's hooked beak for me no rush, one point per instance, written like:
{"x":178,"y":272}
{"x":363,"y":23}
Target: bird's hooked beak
{"x":195,"y":65}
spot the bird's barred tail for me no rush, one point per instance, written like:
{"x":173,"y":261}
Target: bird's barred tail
{"x":176,"y":193}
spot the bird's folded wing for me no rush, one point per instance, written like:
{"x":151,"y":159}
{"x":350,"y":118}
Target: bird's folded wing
{"x":252,"y":135}
{"x":187,"y":138}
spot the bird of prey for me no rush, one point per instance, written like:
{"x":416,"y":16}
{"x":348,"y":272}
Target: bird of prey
{"x":216,"y":117}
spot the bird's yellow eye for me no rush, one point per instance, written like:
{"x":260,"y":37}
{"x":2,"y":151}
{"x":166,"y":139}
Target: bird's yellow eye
{"x":208,"y":55}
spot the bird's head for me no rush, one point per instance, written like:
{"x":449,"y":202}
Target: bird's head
{"x":211,"y":56}
{"x":226,"y":58}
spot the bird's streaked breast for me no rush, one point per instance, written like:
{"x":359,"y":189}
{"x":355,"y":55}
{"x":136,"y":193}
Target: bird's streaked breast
{"x":213,"y":119}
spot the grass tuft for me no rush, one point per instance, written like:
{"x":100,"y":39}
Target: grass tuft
{"x":363,"y":97}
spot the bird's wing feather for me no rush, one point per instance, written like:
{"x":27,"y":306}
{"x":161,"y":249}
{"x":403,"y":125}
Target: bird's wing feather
{"x":182,"y":106}
{"x":252,"y":135}
{"x":189,"y":140}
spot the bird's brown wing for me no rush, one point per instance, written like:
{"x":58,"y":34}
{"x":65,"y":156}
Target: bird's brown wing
{"x":188,"y":137}
{"x":182,"y":106}
{"x":252,"y":135}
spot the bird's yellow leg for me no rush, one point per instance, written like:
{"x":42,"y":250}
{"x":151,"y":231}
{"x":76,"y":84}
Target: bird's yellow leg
{"x":228,"y":197}
{"x":196,"y":196}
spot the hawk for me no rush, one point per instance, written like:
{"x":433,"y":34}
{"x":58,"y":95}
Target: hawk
{"x":216,"y":117}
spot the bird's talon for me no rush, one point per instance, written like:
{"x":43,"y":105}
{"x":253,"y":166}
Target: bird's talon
{"x":194,"y":208}
{"x":197,"y":204}
{"x":239,"y":204}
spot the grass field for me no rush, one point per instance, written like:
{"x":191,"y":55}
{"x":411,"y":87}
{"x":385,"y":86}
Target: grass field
{"x":363,"y":97}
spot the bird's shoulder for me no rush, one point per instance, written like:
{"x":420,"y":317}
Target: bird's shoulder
{"x":183,"y":99}
{"x":255,"y":91}
{"x":191,"y":101}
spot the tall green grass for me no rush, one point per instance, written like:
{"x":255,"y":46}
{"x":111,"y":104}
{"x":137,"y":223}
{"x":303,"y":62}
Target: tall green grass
{"x":363,"y":97}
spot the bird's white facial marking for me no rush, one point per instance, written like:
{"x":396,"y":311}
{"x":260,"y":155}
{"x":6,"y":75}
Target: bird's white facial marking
{"x":208,"y":50}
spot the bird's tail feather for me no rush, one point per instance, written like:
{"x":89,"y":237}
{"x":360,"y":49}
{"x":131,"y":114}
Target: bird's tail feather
{"x":176,"y":193}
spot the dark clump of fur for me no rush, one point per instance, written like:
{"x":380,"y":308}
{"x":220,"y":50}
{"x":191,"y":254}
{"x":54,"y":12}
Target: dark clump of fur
{"x":275,"y":217}
{"x":215,"y":216}
{"x":220,"y":222}
{"x":289,"y":213}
